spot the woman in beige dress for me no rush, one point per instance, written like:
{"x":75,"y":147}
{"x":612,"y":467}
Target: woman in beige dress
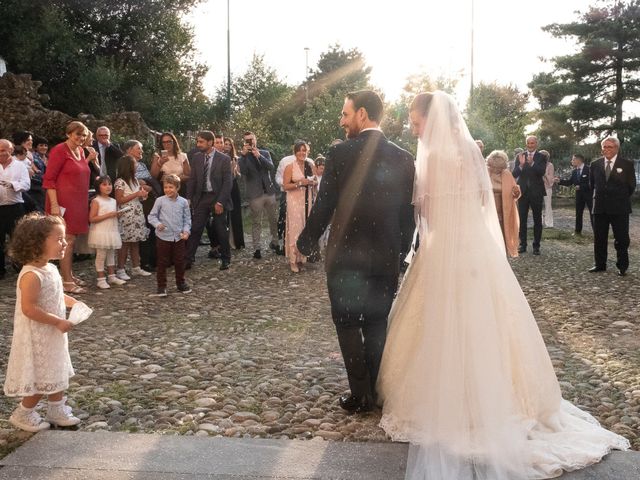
{"x":506,"y":194}
{"x":171,"y":160}
{"x":299,"y":185}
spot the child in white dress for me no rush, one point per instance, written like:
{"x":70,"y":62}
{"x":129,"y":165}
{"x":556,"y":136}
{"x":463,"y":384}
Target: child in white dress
{"x":104,"y":234}
{"x":39,"y":362}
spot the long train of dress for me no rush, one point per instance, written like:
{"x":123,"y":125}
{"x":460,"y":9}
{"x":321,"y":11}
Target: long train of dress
{"x":465,"y":376}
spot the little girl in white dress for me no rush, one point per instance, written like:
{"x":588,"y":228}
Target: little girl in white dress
{"x":39,"y":362}
{"x":104,"y":234}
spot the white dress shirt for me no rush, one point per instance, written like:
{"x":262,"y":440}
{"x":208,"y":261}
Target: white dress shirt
{"x":14,"y":179}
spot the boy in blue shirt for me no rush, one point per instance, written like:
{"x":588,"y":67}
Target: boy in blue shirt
{"x":171,"y":218}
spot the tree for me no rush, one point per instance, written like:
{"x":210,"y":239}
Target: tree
{"x":338,"y":72}
{"x":103,"y":56}
{"x":555,"y":130}
{"x":258,"y":100}
{"x":497,"y":115}
{"x":598,"y":82}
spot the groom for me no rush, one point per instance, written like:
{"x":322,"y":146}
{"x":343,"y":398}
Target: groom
{"x":367,"y":188}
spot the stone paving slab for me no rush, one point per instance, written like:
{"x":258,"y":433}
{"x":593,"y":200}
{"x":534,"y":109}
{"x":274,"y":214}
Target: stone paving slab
{"x":68,"y":455}
{"x":58,"y":454}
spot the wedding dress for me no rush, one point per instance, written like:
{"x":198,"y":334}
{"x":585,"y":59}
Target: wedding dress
{"x":465,"y":376}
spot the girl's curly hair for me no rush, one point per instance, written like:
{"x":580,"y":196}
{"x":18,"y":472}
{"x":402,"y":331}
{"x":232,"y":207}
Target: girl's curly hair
{"x":29,"y":236}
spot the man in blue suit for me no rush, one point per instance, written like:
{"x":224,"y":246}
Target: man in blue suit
{"x":584,"y":195}
{"x":529,"y":169}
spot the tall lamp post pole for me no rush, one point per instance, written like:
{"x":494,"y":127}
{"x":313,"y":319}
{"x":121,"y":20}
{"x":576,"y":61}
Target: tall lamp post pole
{"x":228,"y":63}
{"x":306,"y":74}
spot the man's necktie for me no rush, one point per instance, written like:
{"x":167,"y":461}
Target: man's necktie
{"x":607,"y":170}
{"x":207,"y":171}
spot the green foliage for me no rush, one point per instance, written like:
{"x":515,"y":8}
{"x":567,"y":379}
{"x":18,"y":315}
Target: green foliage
{"x":590,"y":89}
{"x":279,"y":113}
{"x":104,"y":56}
{"x":497,"y":115}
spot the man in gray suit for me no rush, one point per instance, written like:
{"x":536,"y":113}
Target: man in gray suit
{"x":209,"y":189}
{"x":255,"y":166}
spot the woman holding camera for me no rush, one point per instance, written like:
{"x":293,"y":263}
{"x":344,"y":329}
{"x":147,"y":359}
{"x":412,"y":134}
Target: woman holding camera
{"x":299,"y":182}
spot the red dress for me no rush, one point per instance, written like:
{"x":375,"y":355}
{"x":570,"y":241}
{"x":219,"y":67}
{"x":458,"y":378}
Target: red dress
{"x":70,"y":178}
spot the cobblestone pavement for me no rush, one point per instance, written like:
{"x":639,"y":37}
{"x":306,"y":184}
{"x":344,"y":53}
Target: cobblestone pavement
{"x":252,"y":350}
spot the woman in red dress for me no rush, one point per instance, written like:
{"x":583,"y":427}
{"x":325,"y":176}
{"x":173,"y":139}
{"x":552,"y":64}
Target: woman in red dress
{"x":67,"y":184}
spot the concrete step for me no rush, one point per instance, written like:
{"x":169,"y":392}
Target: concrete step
{"x":68,"y":455}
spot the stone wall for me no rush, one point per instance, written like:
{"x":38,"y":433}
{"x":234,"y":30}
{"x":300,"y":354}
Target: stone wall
{"x":21,"y":109}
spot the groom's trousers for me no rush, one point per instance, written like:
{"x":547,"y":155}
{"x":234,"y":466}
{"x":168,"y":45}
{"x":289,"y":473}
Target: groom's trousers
{"x":360,"y":305}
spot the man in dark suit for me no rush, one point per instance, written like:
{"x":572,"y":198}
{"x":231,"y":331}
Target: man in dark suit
{"x":108,"y":153}
{"x":613,"y":181}
{"x":584,"y":195}
{"x":366,"y":188}
{"x":529,"y":171}
{"x":209,"y":189}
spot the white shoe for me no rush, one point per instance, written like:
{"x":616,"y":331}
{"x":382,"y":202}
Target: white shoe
{"x":60,"y":414}
{"x":28,"y":419}
{"x":114,"y":280}
{"x":122,"y":275}
{"x":139,"y":272}
{"x":102,"y":283}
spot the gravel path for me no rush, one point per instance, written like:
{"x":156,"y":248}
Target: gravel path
{"x":252,"y":351}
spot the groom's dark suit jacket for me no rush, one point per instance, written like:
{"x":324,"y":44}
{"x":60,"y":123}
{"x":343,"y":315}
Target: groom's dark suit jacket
{"x":367,"y":188}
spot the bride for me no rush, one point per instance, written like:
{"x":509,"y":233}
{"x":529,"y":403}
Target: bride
{"x":465,"y":375}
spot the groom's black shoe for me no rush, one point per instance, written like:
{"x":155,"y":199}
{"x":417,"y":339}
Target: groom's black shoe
{"x":353,"y":404}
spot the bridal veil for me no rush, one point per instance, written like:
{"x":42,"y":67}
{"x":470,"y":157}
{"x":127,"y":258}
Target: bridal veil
{"x":465,"y":376}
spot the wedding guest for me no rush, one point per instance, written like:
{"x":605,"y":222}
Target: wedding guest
{"x":171,"y":218}
{"x":209,"y":189}
{"x":14,"y":179}
{"x":282,"y":212}
{"x":549,"y":181}
{"x":39,"y":167}
{"x":506,"y":193}
{"x":170,"y":160}
{"x":92,"y":158}
{"x":104,"y":233}
{"x":129,"y":193}
{"x":299,"y":183}
{"x":24,"y":139}
{"x":108,"y":153}
{"x":529,"y":169}
{"x":584,"y":195}
{"x":66,"y":181}
{"x":613,"y":180}
{"x":153,"y":187}
{"x":255,"y":166}
{"x":39,"y":362}
{"x":235,"y":216}
{"x":319,"y":162}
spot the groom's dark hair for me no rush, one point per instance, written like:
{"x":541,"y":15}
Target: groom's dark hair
{"x":370,"y":101}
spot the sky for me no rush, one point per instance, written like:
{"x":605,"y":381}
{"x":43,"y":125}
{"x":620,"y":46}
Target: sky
{"x":397,"y":38}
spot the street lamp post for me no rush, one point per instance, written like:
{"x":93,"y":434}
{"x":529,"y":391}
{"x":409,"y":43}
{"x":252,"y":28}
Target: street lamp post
{"x":228,"y":63}
{"x":306,"y":74}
